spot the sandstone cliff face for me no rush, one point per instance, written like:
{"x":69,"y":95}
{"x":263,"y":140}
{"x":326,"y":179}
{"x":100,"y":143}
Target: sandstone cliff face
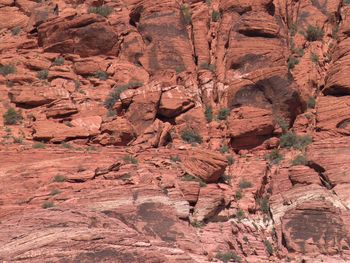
{"x":174,"y":131}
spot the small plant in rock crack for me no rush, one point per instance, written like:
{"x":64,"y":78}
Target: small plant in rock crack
{"x":187,"y":177}
{"x":274,"y":157}
{"x":264,"y":205}
{"x":101,"y":75}
{"x":291,"y":140}
{"x":130,"y":159}
{"x":292,"y":62}
{"x":299,"y":160}
{"x":43,"y":74}
{"x":48,"y":204}
{"x":225,"y":179}
{"x":59,"y":178}
{"x":240,"y":214}
{"x":15,"y":31}
{"x":207,"y":66}
{"x":314,"y":33}
{"x":12,"y":117}
{"x":243,"y":184}
{"x":104,"y":11}
{"x":197,"y":224}
{"x":186,"y":14}
{"x":55,"y":192}
{"x":190,"y":136}
{"x":268,"y":247}
{"x":228,"y":256}
{"x":175,"y":158}
{"x":215,"y":16}
{"x":311,"y":102}
{"x":282,"y":123}
{"x":230,"y":160}
{"x":314,"y":58}
{"x":7,"y":69}
{"x":224,"y":149}
{"x":223,"y":114}
{"x":239,"y":195}
{"x":208,"y":114}
{"x":59,"y":61}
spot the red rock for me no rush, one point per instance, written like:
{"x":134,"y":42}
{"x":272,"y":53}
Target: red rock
{"x":61,"y":108}
{"x":303,"y":175}
{"x":209,"y":166}
{"x":117,"y":132}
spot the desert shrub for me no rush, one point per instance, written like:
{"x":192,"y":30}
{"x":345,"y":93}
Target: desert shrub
{"x":38,"y":145}
{"x":191,"y":136}
{"x":17,"y":140}
{"x":7,"y":69}
{"x":311,"y":102}
{"x":179,"y":70}
{"x":101,"y":75}
{"x":268,"y":247}
{"x":55,"y":192}
{"x":228,"y":257}
{"x":208,"y":114}
{"x":292,"y":62}
{"x":186,"y":14}
{"x":299,"y":160}
{"x":243,"y":184}
{"x":207,"y":66}
{"x":130,"y":159}
{"x":47,"y":204}
{"x":225,"y":179}
{"x":215,"y":16}
{"x":291,"y":140}
{"x":264,"y":205}
{"x":314,"y":58}
{"x":59,"y":61}
{"x":59,"y":178}
{"x":274,"y":157}
{"x":224,"y":149}
{"x":197,"y":224}
{"x":104,"y":11}
{"x":114,"y":95}
{"x":239,"y":195}
{"x":314,"y":33}
{"x":223,"y":114}
{"x":66,"y":145}
{"x":15,"y":31}
{"x":12,"y":117}
{"x":230,"y":160}
{"x":293,"y":29}
{"x":240,"y":214}
{"x":188,"y":178}
{"x":175,"y":158}
{"x":43,"y":74}
{"x":346,"y":2}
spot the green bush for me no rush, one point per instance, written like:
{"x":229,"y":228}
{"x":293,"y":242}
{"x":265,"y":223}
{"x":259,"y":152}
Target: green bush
{"x":240,"y":214}
{"x":299,"y":160}
{"x":291,"y":140}
{"x":101,"y":75}
{"x":311,"y":102}
{"x":191,"y":136}
{"x":208,"y":114}
{"x":239,"y":195}
{"x":66,"y":145}
{"x":243,"y":184}
{"x":207,"y":66}
{"x":114,"y":95}
{"x":15,"y":31}
{"x":268,"y":247}
{"x":43,"y":74}
{"x":274,"y":157}
{"x":186,"y":14}
{"x":228,"y":256}
{"x":17,"y":140}
{"x":223,"y":114}
{"x":292,"y":62}
{"x":282,"y":123}
{"x":264,"y":205}
{"x":38,"y":145}
{"x":197,"y":224}
{"x":230,"y":160}
{"x":224,"y":149}
{"x":130,"y":159}
{"x":12,"y":117}
{"x":59,"y":178}
{"x":59,"y":61}
{"x":314,"y":33}
{"x":215,"y":16}
{"x":104,"y":11}
{"x":346,"y":2}
{"x":55,"y":192}
{"x":188,"y":178}
{"x":314,"y":58}
{"x":47,"y":204}
{"x":7,"y":69}
{"x":175,"y":158}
